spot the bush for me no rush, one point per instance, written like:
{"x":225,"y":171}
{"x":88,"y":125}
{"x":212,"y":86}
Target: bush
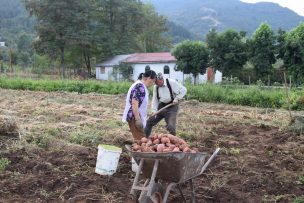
{"x":4,"y":162}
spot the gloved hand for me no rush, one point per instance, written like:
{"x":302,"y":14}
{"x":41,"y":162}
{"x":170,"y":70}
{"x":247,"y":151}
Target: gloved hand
{"x":175,"y":101}
{"x":138,"y":124}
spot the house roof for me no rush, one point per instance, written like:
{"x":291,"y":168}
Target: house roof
{"x":161,"y":57}
{"x":114,"y":61}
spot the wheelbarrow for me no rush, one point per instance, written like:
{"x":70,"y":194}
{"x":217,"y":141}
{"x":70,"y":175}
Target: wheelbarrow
{"x":159,"y":173}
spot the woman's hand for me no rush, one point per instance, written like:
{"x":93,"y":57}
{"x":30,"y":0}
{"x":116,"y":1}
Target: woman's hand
{"x":139,"y":124}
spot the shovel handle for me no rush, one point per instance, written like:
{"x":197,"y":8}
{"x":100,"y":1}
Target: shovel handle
{"x":160,"y":110}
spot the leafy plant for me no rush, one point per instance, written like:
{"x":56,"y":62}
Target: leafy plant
{"x":301,"y":180}
{"x":299,"y":200}
{"x":234,"y":151}
{"x":4,"y":162}
{"x":42,"y":140}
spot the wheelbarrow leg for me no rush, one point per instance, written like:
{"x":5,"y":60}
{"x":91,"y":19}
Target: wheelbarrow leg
{"x":193,"y":192}
{"x":148,"y":187}
{"x":169,"y":188}
{"x":181,"y":192}
{"x":132,"y":192}
{"x":152,"y":180}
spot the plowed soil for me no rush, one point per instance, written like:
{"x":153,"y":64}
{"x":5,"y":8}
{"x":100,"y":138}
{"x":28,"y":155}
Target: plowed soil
{"x":260,"y":160}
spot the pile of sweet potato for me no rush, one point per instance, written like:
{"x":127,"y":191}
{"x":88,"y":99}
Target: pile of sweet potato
{"x":162,"y":143}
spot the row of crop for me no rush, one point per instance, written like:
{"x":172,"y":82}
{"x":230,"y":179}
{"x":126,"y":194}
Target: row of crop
{"x":251,"y":96}
{"x":79,"y":86}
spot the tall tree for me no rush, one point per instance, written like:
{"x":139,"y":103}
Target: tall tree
{"x":280,"y":43}
{"x":152,"y":39}
{"x":58,"y":23}
{"x":262,"y":50}
{"x":25,"y":43}
{"x":192,"y":57}
{"x":227,"y":51}
{"x":119,"y":25}
{"x":294,"y":53}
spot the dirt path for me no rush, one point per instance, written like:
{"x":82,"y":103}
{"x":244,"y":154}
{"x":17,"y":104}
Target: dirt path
{"x":55,"y":160}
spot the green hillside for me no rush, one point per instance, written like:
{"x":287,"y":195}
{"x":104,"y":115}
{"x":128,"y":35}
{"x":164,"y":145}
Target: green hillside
{"x":199,"y":16}
{"x":14,"y":22}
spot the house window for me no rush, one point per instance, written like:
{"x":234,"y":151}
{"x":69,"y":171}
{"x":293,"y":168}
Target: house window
{"x":102,"y":70}
{"x":166,"y":70}
{"x":147,"y":68}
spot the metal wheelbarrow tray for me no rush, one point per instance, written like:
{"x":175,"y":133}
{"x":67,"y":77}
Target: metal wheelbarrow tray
{"x":171,"y":167}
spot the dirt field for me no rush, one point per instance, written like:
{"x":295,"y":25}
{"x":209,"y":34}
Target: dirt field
{"x":55,"y":159}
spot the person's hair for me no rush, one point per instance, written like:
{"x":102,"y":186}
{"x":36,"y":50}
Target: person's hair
{"x":148,"y":74}
{"x":159,"y":76}
{"x":140,"y":76}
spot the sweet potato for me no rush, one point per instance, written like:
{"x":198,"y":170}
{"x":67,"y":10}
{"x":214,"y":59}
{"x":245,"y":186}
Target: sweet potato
{"x":160,"y":147}
{"x":167,"y":149}
{"x":159,"y":136}
{"x":165,"y":140}
{"x":182,"y":147}
{"x":156,"y":141}
{"x":162,"y":143}
{"x":143,"y":140}
{"x":149,"y":143}
{"x":136,"y":147}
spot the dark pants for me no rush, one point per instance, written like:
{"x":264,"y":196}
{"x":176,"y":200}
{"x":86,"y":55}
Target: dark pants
{"x":168,"y":114}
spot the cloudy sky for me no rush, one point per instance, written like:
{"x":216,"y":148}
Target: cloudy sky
{"x":295,"y":5}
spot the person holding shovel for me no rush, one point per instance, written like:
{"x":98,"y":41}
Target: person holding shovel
{"x":165,"y":92}
{"x":135,"y":112}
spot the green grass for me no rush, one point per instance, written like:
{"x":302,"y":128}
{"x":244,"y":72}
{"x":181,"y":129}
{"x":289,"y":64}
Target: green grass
{"x":237,"y":95}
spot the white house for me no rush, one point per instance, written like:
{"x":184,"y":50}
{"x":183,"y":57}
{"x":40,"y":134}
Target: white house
{"x":106,"y":69}
{"x":162,"y":62}
{"x":2,"y":44}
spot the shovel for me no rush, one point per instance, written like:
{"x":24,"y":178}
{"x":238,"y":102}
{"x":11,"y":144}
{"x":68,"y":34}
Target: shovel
{"x":160,"y":110}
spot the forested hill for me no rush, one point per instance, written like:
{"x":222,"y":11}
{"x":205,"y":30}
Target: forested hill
{"x":14,"y":21}
{"x":198,"y":16}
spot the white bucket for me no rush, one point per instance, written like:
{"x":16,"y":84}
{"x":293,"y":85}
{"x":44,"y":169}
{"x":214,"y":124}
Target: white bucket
{"x":134,"y":165}
{"x":107,"y":159}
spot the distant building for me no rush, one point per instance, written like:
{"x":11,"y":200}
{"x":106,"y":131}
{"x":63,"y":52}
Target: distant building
{"x":107,"y":69}
{"x":2,"y":44}
{"x":162,"y":62}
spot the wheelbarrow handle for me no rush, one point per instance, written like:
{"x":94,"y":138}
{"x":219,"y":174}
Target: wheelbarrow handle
{"x":209,"y":160}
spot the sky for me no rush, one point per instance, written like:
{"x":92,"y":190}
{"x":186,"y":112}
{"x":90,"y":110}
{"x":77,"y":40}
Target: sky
{"x":295,"y":5}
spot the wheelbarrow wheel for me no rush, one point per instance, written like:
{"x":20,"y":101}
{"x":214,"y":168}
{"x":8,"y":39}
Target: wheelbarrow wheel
{"x":156,"y":196}
{"x":131,"y":199}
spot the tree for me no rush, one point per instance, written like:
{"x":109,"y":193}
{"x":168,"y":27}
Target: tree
{"x":23,"y":58}
{"x":152,"y":38}
{"x":227,"y":51}
{"x":294,"y":53}
{"x":262,"y":51}
{"x":78,"y":32}
{"x":58,"y":24}
{"x":25,"y":43}
{"x":192,"y":57}
{"x":280,"y":43}
{"x":125,"y":70}
{"x":119,"y":24}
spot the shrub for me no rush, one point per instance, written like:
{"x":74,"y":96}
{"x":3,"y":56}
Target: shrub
{"x":4,"y":162}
